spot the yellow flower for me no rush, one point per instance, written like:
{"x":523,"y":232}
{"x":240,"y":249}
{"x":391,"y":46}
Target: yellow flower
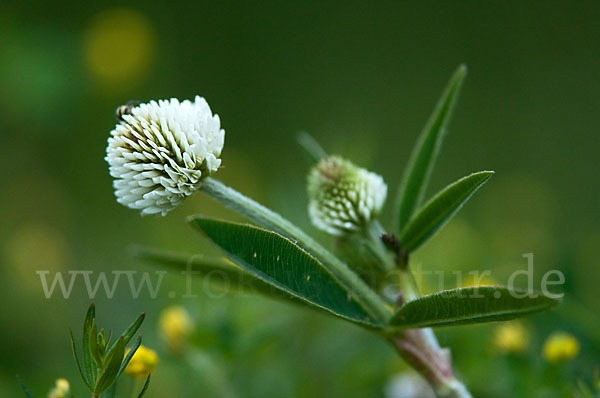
{"x":560,"y":346}
{"x":142,"y":363}
{"x":175,"y":325}
{"x":474,"y":279}
{"x":118,"y":47}
{"x":60,"y":390}
{"x":511,"y":337}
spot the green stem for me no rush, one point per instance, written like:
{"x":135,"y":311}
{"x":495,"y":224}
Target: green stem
{"x":418,"y":347}
{"x":269,"y":219}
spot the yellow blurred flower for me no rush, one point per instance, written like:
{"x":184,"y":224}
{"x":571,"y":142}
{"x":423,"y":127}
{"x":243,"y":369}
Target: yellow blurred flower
{"x":118,"y":46}
{"x":36,"y":247}
{"x":511,"y":337}
{"x":560,"y":346}
{"x":476,"y":279}
{"x":60,"y":390}
{"x":175,"y":325}
{"x":142,"y":363}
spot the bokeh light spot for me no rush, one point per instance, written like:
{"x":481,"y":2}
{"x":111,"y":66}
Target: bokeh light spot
{"x":119,"y":44}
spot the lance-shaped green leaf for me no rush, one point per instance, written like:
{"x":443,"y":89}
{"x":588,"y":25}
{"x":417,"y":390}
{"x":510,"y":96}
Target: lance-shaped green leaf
{"x":84,"y":376}
{"x":110,"y":374}
{"x":93,"y":345}
{"x":267,"y":218}
{"x":470,"y":305}
{"x":128,"y":333}
{"x":283,"y":264}
{"x":422,"y":159}
{"x":145,"y":387}
{"x":435,"y":213}
{"x":89,"y":367}
{"x":221,"y":272}
{"x":130,"y":355}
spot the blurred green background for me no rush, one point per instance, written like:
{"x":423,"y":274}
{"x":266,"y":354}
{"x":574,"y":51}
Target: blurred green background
{"x":362,"y":77}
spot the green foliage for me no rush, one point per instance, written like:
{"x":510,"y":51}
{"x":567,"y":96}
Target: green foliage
{"x":469,"y":305}
{"x":419,"y":168}
{"x":102,"y":366}
{"x":435,"y":213}
{"x":280,"y":262}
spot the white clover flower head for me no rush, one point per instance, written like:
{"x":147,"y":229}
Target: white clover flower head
{"x":160,"y":152}
{"x":343,"y":198}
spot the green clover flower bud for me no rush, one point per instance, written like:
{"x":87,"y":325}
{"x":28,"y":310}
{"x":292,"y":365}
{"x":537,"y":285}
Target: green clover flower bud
{"x":343,"y":198}
{"x":160,"y":152}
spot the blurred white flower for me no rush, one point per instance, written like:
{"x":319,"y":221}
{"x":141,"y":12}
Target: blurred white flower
{"x":343,"y":197}
{"x":408,"y":385}
{"x":62,"y":389}
{"x":160,"y":152}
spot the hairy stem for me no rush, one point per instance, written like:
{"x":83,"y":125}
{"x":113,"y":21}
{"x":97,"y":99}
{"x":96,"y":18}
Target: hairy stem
{"x":416,"y":347}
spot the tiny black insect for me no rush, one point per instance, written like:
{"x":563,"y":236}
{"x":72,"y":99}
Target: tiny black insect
{"x":125,"y":109}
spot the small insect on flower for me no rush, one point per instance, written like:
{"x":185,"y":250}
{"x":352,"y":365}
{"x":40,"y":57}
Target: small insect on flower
{"x":559,"y":347}
{"x":160,"y":152}
{"x":125,"y":110}
{"x":142,"y":363}
{"x":343,"y":198}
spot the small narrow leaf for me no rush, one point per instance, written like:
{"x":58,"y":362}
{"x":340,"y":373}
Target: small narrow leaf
{"x":145,"y":387}
{"x":130,"y":355}
{"x":109,"y":376}
{"x":469,"y":305}
{"x":90,"y":315}
{"x":422,"y":160}
{"x":133,"y":328}
{"x":83,"y":375}
{"x":129,"y":332}
{"x":283,"y":264}
{"x":93,"y":345}
{"x":435,"y":213}
{"x":88,"y":365}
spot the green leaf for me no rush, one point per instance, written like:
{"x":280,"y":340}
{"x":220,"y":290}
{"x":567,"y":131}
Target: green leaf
{"x":109,"y":376}
{"x":422,"y":160}
{"x":145,"y":387}
{"x":283,"y":264}
{"x":470,"y":305}
{"x":129,"y":332}
{"x":110,"y":392}
{"x":88,"y":365}
{"x":93,"y":345}
{"x":130,"y":355}
{"x":435,"y":213}
{"x":267,"y":218}
{"x":83,"y":375}
{"x":221,"y":271}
